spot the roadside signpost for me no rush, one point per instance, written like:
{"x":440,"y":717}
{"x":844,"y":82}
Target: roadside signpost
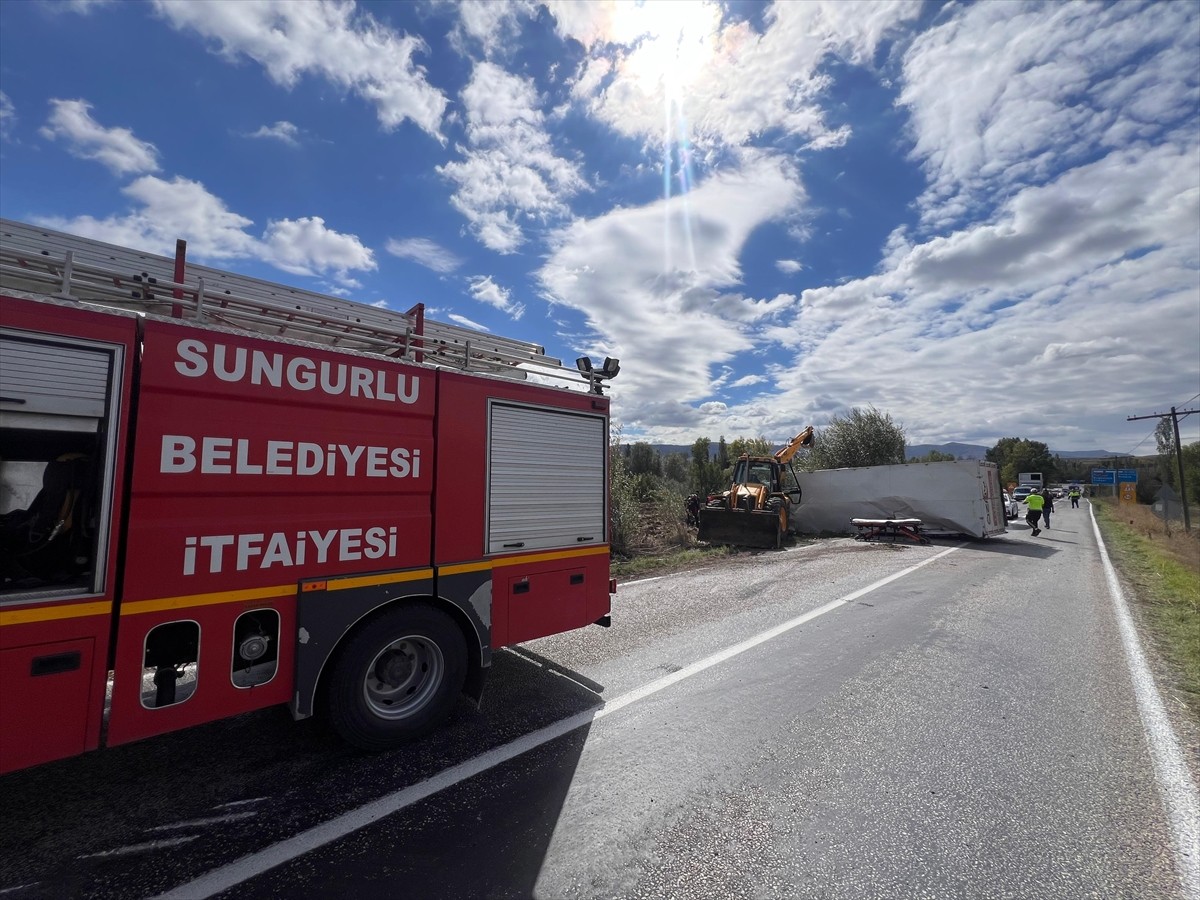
{"x":1124,"y":482}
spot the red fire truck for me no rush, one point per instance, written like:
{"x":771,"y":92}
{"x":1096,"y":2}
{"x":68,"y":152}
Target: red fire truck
{"x":219,"y":493}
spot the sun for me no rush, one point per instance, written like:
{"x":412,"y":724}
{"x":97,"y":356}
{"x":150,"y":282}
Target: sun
{"x":673,"y":43}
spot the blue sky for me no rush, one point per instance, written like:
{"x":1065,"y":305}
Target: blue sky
{"x":983,"y":219}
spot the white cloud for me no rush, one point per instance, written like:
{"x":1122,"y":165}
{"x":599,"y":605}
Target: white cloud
{"x":488,"y":23}
{"x":1037,"y":88}
{"x":748,"y":381}
{"x":1081,"y":350}
{"x":673,"y":310}
{"x":466,"y":323}
{"x":116,"y":148}
{"x":1032,"y":308}
{"x":8,"y":116}
{"x":485,"y":290}
{"x":82,"y":7}
{"x":185,"y":209}
{"x":789,"y":266}
{"x":425,"y":252}
{"x":307,"y":247}
{"x":332,"y":40}
{"x":721,"y":81}
{"x":510,"y":174}
{"x":284,"y":132}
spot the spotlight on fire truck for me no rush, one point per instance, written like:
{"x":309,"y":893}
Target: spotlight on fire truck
{"x":595,"y":376}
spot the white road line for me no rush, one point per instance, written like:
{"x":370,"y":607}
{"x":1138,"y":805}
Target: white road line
{"x":207,"y":820}
{"x":254,"y":864}
{"x":1175,"y":784}
{"x":139,"y":848}
{"x":621,"y":584}
{"x":241,"y":802}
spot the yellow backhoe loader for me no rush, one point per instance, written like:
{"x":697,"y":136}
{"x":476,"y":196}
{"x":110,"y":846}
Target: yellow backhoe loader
{"x":754,"y":511}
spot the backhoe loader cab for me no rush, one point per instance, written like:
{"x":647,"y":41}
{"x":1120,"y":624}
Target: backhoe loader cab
{"x":754,"y":511}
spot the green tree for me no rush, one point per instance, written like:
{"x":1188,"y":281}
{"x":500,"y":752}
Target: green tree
{"x":644,"y":459}
{"x":722,"y":454}
{"x":1191,"y":470}
{"x":758,"y":446}
{"x":706,"y":472}
{"x":1016,"y":455}
{"x":1164,"y":437}
{"x":859,"y":438}
{"x":932,"y":456}
{"x":675,"y":467}
{"x":623,"y":505}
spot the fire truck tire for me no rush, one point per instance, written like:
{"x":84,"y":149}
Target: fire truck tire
{"x":397,"y":678}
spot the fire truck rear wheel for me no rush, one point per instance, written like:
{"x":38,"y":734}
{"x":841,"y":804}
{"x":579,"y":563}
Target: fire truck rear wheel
{"x":397,"y":678}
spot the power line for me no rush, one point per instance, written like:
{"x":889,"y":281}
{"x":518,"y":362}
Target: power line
{"x":1142,"y":441}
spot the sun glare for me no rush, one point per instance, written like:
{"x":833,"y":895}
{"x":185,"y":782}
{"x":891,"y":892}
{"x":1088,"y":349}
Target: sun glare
{"x":673,"y":42}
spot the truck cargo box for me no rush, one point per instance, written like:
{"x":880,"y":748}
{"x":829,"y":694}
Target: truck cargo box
{"x":959,"y":497}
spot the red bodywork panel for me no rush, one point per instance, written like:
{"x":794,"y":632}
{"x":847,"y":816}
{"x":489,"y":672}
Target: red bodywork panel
{"x":54,"y":654}
{"x":550,"y":603}
{"x":257,"y":464}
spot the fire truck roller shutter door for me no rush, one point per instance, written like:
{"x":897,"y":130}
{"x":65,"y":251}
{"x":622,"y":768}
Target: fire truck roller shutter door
{"x":397,"y":677}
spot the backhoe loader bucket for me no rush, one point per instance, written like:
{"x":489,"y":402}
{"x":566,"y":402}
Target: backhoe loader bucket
{"x":740,"y":527}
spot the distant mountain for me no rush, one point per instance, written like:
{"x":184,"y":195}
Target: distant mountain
{"x":1089,"y":454}
{"x":976,"y":451}
{"x":956,"y":449}
{"x":685,"y":449}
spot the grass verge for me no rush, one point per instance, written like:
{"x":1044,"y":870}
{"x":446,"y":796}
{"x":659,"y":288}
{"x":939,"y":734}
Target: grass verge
{"x":666,"y":562}
{"x":1164,"y":567}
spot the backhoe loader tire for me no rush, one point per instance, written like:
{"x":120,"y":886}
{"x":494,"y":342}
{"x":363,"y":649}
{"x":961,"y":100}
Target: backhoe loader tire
{"x":397,"y":678}
{"x":775,"y":505}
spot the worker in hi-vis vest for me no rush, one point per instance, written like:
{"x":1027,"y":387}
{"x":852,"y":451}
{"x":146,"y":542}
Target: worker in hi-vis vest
{"x":1035,"y":501}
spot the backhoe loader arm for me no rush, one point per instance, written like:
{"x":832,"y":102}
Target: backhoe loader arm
{"x":803,"y":439}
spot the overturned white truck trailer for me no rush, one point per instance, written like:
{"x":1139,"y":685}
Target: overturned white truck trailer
{"x":960,"y":497}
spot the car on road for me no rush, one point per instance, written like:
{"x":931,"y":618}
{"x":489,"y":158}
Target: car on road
{"x":1023,"y":491}
{"x":1012,"y":507}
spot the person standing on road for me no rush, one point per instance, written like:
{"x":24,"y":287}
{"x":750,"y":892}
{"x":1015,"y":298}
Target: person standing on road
{"x":1074,"y":495}
{"x":1047,"y":505}
{"x":1035,"y":503}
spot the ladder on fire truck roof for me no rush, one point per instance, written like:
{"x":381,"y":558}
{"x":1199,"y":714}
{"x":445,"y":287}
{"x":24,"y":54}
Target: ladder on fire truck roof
{"x":41,"y":261}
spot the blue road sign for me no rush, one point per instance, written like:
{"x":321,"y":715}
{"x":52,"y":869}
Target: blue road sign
{"x":1127,"y":475}
{"x":1104,"y":476}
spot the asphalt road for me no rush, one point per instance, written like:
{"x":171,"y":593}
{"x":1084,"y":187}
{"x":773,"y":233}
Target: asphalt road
{"x":838,"y":720}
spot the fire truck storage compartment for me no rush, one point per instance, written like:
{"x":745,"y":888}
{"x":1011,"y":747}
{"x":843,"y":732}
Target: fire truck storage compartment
{"x":546,"y":601}
{"x":55,"y":457}
{"x":48,"y":688}
{"x":546,"y":479}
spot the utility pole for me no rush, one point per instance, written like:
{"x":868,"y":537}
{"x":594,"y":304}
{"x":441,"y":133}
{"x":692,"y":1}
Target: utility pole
{"x":1175,"y":414}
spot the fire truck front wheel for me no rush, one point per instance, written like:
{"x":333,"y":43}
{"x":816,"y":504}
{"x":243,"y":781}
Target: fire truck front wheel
{"x":397,"y":678}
